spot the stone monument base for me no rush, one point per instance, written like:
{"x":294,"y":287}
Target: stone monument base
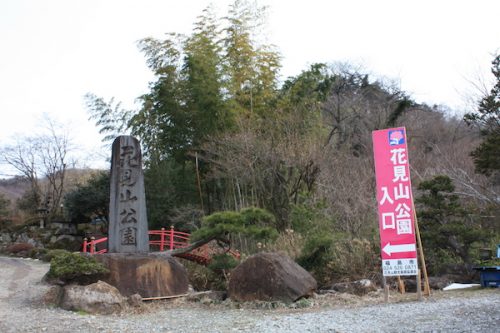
{"x":148,"y":275}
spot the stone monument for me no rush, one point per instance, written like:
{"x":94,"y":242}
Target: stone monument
{"x":133,"y":270}
{"x":128,"y":224}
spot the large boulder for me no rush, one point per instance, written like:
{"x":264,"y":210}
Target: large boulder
{"x":145,"y":274}
{"x":96,"y":298}
{"x":270,"y":277}
{"x":53,"y":296}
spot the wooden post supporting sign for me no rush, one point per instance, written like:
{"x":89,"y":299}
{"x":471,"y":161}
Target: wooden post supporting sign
{"x":427,"y":289}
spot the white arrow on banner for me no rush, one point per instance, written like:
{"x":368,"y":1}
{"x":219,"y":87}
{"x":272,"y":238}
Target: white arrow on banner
{"x":398,"y":248}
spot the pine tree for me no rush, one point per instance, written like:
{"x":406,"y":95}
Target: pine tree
{"x":445,"y":222}
{"x":487,"y":118}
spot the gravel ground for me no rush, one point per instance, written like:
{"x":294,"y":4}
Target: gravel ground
{"x":457,"y":311}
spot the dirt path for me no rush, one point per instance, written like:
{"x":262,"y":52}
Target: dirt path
{"x":19,"y":271}
{"x":464,"y":311}
{"x":20,"y":280}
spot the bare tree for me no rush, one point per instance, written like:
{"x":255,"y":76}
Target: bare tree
{"x":263,"y":171}
{"x":42,"y":160}
{"x":53,"y":155}
{"x":355,"y":106}
{"x":23,"y":156}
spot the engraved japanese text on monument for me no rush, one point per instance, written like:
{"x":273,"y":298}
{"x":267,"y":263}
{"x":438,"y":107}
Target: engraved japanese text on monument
{"x":128,"y":230}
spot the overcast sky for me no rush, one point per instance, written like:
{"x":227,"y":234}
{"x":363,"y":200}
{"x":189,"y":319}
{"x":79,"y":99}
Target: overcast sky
{"x":55,"y":51}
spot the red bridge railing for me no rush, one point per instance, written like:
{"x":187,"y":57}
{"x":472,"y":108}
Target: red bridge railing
{"x":90,"y":245}
{"x":163,"y":239}
{"x":168,"y":239}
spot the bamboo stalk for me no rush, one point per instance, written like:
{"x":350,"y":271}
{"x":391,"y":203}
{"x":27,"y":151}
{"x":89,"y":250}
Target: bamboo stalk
{"x":199,"y":182}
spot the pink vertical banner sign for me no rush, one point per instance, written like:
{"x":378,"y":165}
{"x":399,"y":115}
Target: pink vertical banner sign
{"x":395,"y":202}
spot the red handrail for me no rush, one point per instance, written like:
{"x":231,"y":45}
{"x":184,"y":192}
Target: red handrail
{"x":90,"y":247}
{"x":169,"y":239}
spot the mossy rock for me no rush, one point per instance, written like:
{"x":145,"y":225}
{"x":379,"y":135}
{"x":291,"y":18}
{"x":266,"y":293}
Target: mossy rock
{"x":67,"y":267}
